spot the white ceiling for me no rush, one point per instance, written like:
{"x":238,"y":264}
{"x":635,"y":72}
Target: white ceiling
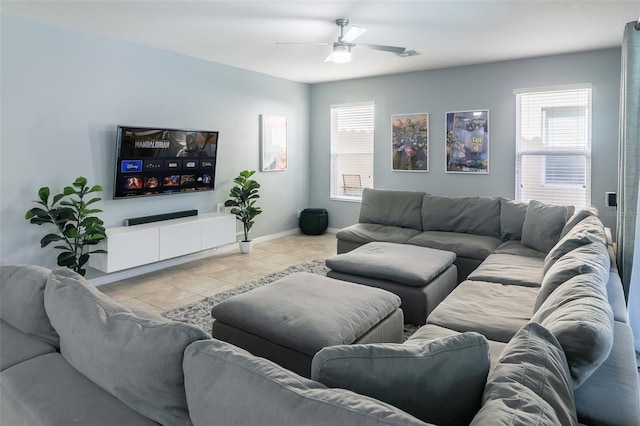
{"x":244,"y":33}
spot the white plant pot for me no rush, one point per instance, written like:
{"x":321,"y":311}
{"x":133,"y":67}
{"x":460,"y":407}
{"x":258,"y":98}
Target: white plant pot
{"x":245,"y":246}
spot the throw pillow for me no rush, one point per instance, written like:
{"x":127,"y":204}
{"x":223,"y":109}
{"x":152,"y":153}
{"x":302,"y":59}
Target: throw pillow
{"x":512,"y":215}
{"x":226,"y":385}
{"x":138,"y":360}
{"x":577,"y":218}
{"x":440,"y":381}
{"x":22,"y":301}
{"x":580,"y":317}
{"x":588,"y":259}
{"x":530,"y":384}
{"x":543,"y":224}
{"x":589,"y":230}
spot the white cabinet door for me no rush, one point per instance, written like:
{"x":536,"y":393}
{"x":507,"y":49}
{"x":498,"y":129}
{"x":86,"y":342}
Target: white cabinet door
{"x":218,"y":231}
{"x":126,"y":250}
{"x":180,"y":239}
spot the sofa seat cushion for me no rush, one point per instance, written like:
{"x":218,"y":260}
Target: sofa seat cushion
{"x":530,"y":384}
{"x":589,"y":259}
{"x":99,"y":336}
{"x":610,"y":395}
{"x":401,"y":209}
{"x":470,"y":215}
{"x":438,"y":381}
{"x":229,"y":386}
{"x":47,"y":390}
{"x":516,"y":248}
{"x":22,"y":301}
{"x":15,"y":346}
{"x":582,"y":320}
{"x":589,"y":230}
{"x":509,"y":269}
{"x":543,"y":224}
{"x":471,"y":246}
{"x":494,"y":310}
{"x":400,"y":263}
{"x":368,"y":232}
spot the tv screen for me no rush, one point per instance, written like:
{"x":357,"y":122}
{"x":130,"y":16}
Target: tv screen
{"x":154,"y":161}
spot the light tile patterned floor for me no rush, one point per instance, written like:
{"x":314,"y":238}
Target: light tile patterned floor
{"x":183,"y":284}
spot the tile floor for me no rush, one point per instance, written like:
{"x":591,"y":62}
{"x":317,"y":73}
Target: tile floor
{"x":189,"y":282}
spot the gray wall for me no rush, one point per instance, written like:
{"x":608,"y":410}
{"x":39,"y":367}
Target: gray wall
{"x":488,"y":86}
{"x":64,"y":92}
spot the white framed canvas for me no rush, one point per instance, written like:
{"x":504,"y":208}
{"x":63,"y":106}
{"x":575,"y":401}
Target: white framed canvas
{"x":467,"y":139}
{"x":410,"y":142}
{"x":273,"y":142}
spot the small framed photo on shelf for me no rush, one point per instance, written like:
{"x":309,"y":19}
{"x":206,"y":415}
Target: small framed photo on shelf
{"x":410,"y":142}
{"x":467,"y":137}
{"x":273,"y":142}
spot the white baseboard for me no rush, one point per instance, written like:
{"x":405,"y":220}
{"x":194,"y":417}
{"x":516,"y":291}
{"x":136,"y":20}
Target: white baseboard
{"x":140,"y":270}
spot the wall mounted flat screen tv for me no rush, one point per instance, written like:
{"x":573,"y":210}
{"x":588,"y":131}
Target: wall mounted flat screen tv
{"x":155,"y":161}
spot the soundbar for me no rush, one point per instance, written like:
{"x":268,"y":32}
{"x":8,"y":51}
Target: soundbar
{"x":159,"y":217}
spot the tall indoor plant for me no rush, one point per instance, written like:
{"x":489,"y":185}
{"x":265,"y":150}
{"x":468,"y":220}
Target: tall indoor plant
{"x":242,"y":201}
{"x":78,"y":227}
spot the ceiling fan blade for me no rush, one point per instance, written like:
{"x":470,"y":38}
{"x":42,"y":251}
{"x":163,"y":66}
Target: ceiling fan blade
{"x":353,"y":33}
{"x":329,"y":58}
{"x":393,"y":49}
{"x":307,"y":44}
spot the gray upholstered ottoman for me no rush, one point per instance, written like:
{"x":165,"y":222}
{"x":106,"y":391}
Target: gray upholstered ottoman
{"x":421,"y":276}
{"x":290,"y":320}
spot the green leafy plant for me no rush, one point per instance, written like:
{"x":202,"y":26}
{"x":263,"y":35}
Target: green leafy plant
{"x":243,"y":198}
{"x":78,"y":228}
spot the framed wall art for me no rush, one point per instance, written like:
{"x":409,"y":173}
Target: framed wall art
{"x":467,"y":137}
{"x":273,"y":142}
{"x":410,"y":142}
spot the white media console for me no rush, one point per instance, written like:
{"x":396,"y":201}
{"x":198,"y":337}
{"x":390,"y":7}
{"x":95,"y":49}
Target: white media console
{"x":131,"y":246}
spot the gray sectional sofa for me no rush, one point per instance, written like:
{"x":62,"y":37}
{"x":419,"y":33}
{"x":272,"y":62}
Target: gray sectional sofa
{"x":521,"y":264}
{"x":71,"y":355}
{"x":548,"y":346}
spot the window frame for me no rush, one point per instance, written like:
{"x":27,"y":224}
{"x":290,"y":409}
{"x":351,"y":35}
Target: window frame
{"x":546,"y":150}
{"x":336,"y":188}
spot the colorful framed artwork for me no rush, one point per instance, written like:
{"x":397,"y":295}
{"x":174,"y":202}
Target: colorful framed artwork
{"x":273,"y":142}
{"x":467,"y":137}
{"x":410,"y":142}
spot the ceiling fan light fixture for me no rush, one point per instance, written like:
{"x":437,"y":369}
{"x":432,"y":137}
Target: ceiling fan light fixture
{"x":341,"y":54}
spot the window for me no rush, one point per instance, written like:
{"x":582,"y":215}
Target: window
{"x":351,"y":150}
{"x":553,"y":145}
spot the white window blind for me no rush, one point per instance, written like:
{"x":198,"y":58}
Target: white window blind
{"x":553,"y":145}
{"x":351,"y":150}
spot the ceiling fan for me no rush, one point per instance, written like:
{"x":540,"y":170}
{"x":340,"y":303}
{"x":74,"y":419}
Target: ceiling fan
{"x":341,"y":51}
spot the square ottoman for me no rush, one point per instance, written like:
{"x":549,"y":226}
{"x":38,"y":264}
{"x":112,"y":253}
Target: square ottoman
{"x":290,"y":320}
{"x":421,"y":276}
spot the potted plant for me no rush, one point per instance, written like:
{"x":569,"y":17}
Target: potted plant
{"x":78,"y":228}
{"x":242,"y":202}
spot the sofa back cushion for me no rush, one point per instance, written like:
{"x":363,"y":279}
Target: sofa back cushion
{"x":581,"y":318}
{"x":22,"y":301}
{"x":588,"y":259}
{"x":394,"y":208}
{"x":530,"y":384}
{"x":589,"y":230}
{"x":470,"y":215}
{"x":577,"y":218}
{"x":512,"y":214}
{"x":138,"y":360}
{"x":226,"y":385}
{"x":439,"y":381}
{"x":543,"y":224}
